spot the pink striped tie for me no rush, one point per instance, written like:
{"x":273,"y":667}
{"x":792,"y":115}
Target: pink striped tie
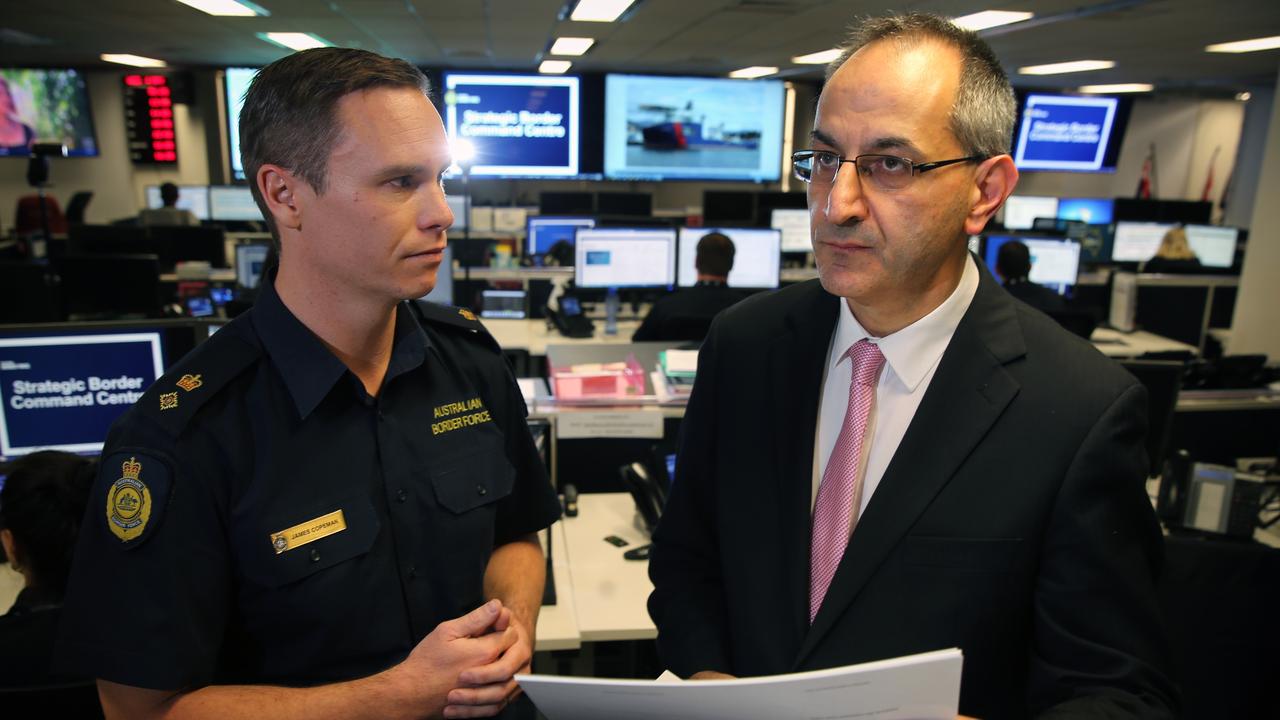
{"x":840,"y":494}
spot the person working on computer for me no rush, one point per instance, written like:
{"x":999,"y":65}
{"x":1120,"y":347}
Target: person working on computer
{"x":1174,"y":255}
{"x":305,"y":516}
{"x":687,"y":313}
{"x":170,"y":213}
{"x":898,"y":457}
{"x":1013,"y":265}
{"x":41,"y":506}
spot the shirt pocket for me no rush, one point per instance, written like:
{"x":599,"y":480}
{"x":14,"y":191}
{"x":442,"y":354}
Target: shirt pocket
{"x":275,"y":570}
{"x":477,"y":478}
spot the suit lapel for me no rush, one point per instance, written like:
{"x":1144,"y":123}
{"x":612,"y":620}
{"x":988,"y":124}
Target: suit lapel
{"x":796,"y":360}
{"x":969,"y":391}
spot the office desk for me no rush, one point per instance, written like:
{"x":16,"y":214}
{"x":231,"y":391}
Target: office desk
{"x":1116,"y":344}
{"x":558,"y":624}
{"x":534,"y":335}
{"x":609,"y":591}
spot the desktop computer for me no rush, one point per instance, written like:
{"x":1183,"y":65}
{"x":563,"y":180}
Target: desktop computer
{"x":1055,"y":262}
{"x":544,"y":231}
{"x":757,"y":257}
{"x":624,"y":257}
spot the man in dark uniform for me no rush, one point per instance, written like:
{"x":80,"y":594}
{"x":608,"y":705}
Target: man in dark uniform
{"x":308,"y":512}
{"x":1013,"y":263}
{"x":687,"y":314}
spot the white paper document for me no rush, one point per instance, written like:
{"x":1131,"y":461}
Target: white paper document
{"x":915,"y":687}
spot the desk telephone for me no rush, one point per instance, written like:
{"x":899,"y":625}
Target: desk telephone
{"x":569,"y":320}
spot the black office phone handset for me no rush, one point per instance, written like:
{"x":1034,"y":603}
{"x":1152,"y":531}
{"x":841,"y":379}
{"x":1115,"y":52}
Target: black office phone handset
{"x":647,"y":493}
{"x":569,"y":320}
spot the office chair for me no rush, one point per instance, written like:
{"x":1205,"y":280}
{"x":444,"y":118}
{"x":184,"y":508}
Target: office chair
{"x":77,"y":206}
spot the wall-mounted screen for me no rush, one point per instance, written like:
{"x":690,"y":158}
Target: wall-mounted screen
{"x":48,"y":106}
{"x":1091,"y":211}
{"x":687,"y":128}
{"x":520,"y":125}
{"x":237,"y":82}
{"x":1067,"y":133}
{"x":757,"y":256}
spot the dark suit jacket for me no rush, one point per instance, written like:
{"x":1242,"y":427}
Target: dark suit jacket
{"x":1037,"y":296}
{"x":686,"y":314}
{"x":1012,"y":522}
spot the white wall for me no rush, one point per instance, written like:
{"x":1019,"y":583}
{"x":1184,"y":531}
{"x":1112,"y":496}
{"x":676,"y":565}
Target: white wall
{"x":1254,"y":329}
{"x":116,"y":183}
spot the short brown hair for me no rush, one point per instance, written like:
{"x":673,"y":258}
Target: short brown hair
{"x":715,"y":254}
{"x":289,"y":117}
{"x":985,"y":107}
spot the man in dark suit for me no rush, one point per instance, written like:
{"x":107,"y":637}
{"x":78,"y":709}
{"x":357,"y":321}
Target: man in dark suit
{"x":1013,"y":264}
{"x":899,"y":457}
{"x":687,"y":314}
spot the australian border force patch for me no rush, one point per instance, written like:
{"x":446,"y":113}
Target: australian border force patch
{"x":133,"y":501}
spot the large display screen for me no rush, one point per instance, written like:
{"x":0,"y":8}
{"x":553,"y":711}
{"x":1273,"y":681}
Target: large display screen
{"x":692,"y":128}
{"x":519,"y":125}
{"x":1055,"y":262}
{"x":757,"y":256}
{"x":237,"y":83}
{"x":1065,"y":133}
{"x":63,"y":391}
{"x":48,"y":106}
{"x":625,"y":257}
{"x":1137,"y":242}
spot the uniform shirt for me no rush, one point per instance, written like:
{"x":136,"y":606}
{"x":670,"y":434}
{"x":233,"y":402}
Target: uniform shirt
{"x":686,"y":314}
{"x":259,"y":518}
{"x":911,"y":357}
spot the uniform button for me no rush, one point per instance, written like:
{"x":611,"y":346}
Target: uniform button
{"x":402,"y":495}
{"x":315,"y":556}
{"x":382,"y":415}
{"x":482,"y":490}
{"x":413,"y":572}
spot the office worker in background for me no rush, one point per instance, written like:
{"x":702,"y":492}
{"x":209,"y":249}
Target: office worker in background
{"x":898,"y":457}
{"x":1174,"y":255}
{"x":41,"y":507}
{"x":170,"y":213}
{"x":1013,"y":264}
{"x":687,"y":313}
{"x":306,"y":515}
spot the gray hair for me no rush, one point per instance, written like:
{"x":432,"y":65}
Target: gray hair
{"x":984,"y":111}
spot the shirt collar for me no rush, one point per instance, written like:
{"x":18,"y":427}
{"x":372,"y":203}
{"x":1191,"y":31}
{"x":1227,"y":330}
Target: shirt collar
{"x":912,"y":351}
{"x":309,"y":369}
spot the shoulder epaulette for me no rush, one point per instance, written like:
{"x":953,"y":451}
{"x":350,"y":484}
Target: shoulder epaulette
{"x":436,"y":315}
{"x":195,"y":379}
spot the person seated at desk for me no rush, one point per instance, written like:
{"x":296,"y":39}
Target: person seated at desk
{"x":687,"y":314}
{"x":170,"y":214}
{"x":1013,"y":264}
{"x":1174,"y":255}
{"x":41,"y":507}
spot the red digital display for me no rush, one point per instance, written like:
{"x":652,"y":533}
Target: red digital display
{"x":149,"y":120}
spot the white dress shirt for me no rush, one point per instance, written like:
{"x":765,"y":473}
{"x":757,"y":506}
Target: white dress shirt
{"x":911,"y":357}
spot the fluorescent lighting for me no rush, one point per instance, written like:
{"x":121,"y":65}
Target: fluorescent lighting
{"x":818,"y":58}
{"x":755,"y":71}
{"x":134,"y":60}
{"x":571,"y":45}
{"x":295,"y":40}
{"x":462,"y":150}
{"x":990,"y":18}
{"x":1244,"y":46}
{"x":554,"y":67}
{"x":599,"y":10}
{"x":1117,"y":88}
{"x":226,"y":8}
{"x":1244,"y":96}
{"x":1066,"y":67}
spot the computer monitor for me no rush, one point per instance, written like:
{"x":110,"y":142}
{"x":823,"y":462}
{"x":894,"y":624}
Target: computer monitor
{"x":458,"y":204}
{"x":543,"y":231}
{"x":62,"y":385}
{"x":1020,"y":211}
{"x":624,"y":203}
{"x":1137,"y":241}
{"x":233,"y":202}
{"x":1092,"y":211}
{"x":251,"y":260}
{"x":503,"y":304}
{"x":728,"y":207}
{"x":757,"y":256}
{"x":190,"y":197}
{"x":110,"y":285}
{"x":625,"y":257}
{"x":1215,"y":246}
{"x":794,"y":225}
{"x":1055,"y":262}
{"x":566,"y":203}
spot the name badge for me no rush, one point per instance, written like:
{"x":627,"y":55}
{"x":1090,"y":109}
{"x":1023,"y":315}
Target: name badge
{"x":309,"y":531}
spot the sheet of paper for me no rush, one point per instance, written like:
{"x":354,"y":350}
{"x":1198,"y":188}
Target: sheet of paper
{"x":916,"y":687}
{"x":643,"y":423}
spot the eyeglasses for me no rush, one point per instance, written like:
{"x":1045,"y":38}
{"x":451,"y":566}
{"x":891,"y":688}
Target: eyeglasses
{"x":886,"y":172}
